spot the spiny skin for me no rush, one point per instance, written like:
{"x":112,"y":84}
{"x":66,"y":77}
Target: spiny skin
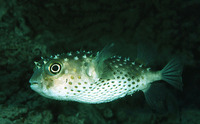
{"x":78,"y":77}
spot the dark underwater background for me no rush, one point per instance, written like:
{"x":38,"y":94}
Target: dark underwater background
{"x":30,"y":29}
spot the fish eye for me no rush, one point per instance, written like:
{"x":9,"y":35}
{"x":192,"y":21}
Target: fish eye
{"x":55,"y":68}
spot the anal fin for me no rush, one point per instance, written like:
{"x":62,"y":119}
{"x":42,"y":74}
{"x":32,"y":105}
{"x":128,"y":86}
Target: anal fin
{"x":160,"y":99}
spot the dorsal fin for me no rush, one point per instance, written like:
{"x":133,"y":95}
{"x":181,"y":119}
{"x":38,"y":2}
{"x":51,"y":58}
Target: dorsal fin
{"x":146,"y":53}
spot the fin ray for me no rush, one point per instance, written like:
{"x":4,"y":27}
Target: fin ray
{"x":160,"y":99}
{"x":171,"y":73}
{"x":103,"y":55}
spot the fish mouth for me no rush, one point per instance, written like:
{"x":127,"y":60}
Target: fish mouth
{"x":34,"y":85}
{"x":33,"y":82}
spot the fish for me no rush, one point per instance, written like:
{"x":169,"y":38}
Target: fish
{"x":101,"y":77}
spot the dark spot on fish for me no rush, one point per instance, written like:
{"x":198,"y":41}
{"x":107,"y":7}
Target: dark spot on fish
{"x":138,"y":80}
{"x":114,"y":73}
{"x":129,"y":85}
{"x":76,"y":86}
{"x":118,"y":77}
{"x":123,"y":77}
{"x":137,"y":86}
{"x":129,"y":79}
{"x":70,"y":83}
{"x":49,"y":82}
{"x":119,"y":84}
{"x":79,"y":83}
{"x":85,"y":82}
{"x":133,"y":77}
{"x":112,"y":82}
{"x":65,"y":87}
{"x":126,"y":75}
{"x":125,"y":82}
{"x":121,"y":72}
{"x":85,"y":64}
{"x":133,"y":82}
{"x":84,"y":87}
{"x":108,"y":79}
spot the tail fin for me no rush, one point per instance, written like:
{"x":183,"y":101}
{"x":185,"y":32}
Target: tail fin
{"x":171,"y":73}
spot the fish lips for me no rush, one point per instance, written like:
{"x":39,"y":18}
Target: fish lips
{"x":36,"y":78}
{"x":34,"y":84}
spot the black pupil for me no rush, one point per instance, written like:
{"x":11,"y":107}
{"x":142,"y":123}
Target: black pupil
{"x":55,"y":67}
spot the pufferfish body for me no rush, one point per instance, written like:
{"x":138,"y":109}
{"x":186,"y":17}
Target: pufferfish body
{"x":86,"y":77}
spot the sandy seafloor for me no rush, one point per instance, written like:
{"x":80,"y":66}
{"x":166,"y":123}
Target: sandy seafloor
{"x":30,"y":29}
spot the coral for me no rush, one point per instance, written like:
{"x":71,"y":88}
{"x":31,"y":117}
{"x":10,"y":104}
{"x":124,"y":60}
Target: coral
{"x":44,"y":117}
{"x":108,"y":113}
{"x":69,"y":120}
{"x":5,"y":121}
{"x":190,"y":116}
{"x":11,"y":113}
{"x":2,"y":97}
